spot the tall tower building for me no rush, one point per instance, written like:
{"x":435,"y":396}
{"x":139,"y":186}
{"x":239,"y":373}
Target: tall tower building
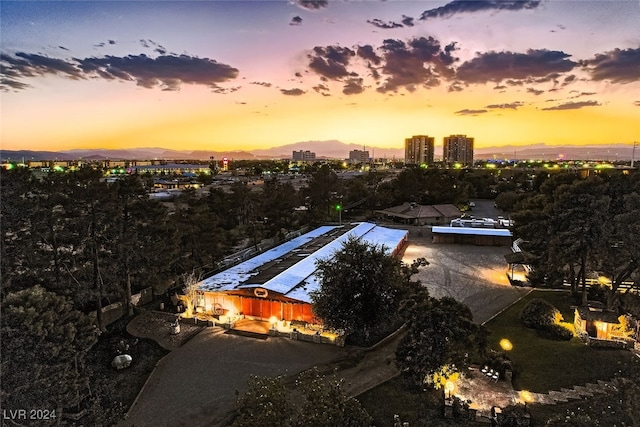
{"x":419,"y":150}
{"x":458,"y":148}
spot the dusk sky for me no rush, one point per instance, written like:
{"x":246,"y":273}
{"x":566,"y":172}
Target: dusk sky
{"x":222,"y":75}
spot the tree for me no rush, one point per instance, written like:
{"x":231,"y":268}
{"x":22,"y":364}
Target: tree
{"x":313,"y":400}
{"x":440,"y":340}
{"x":265,"y":403}
{"x":319,"y":192}
{"x":361,"y":287}
{"x":44,"y":345}
{"x":277,"y":202}
{"x":325,"y":403}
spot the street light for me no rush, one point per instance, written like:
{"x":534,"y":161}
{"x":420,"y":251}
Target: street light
{"x":449,"y":386}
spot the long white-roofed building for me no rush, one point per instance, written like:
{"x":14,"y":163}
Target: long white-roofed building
{"x":277,"y":283}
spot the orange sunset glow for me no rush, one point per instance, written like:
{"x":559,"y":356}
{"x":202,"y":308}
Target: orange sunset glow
{"x":254,"y":75}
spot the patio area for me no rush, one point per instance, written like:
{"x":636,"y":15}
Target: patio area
{"x":484,"y":390}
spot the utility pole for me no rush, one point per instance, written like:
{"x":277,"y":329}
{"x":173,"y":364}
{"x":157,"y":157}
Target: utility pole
{"x":633,"y":153}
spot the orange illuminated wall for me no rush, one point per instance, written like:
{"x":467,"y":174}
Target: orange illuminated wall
{"x":263,"y":307}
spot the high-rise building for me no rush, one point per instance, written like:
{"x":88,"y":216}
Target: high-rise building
{"x":359,"y":156}
{"x":458,"y":149}
{"x":418,"y":150}
{"x":303,"y":155}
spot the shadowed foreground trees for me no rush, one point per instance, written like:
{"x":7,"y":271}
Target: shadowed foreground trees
{"x":44,"y":345}
{"x":314,"y":400}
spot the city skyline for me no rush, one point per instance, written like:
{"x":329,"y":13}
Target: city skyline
{"x":218,"y":75}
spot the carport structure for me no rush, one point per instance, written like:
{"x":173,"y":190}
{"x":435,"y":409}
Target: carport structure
{"x":276,"y":285}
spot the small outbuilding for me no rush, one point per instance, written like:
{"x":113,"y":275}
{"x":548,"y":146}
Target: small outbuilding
{"x":415,"y":214}
{"x":472,"y":236}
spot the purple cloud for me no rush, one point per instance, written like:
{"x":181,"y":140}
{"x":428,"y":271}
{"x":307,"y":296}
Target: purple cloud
{"x":166,"y":71}
{"x":498,"y":66}
{"x":617,"y":66}
{"x":312,"y":4}
{"x":384,"y":25}
{"x":457,"y":7}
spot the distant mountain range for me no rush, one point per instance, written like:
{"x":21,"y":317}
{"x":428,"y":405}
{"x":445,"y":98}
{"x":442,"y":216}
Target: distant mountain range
{"x":331,"y":149}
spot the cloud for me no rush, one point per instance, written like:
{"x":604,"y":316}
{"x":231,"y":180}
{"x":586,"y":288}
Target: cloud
{"x":265,"y":84}
{"x":32,"y":65}
{"x":497,"y":66}
{"x":311,"y":4}
{"x":617,"y":66}
{"x":407,"y":21}
{"x":573,"y":105}
{"x":216,"y":89}
{"x":457,"y":7}
{"x":292,"y":92}
{"x":455,"y":87}
{"x":581,"y":94}
{"x":500,"y":87}
{"x":534,"y":91}
{"x":296,"y":20}
{"x":636,"y":103}
{"x":157,"y":47}
{"x":62,"y":47}
{"x":353,"y":86}
{"x":166,"y":71}
{"x":467,"y":112}
{"x":368,"y":53}
{"x":331,"y":61}
{"x":419,"y":62}
{"x":509,"y":106}
{"x":384,"y":25}
{"x":410,"y":64}
{"x":321,"y":88}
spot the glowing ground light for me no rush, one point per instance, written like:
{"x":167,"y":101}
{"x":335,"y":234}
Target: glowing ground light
{"x":505,"y":344}
{"x":526,"y":396}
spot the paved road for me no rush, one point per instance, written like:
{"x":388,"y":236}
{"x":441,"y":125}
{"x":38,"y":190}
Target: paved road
{"x":195,"y":384}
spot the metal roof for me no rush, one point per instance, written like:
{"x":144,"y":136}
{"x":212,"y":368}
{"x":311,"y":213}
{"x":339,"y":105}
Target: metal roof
{"x":290,"y":268}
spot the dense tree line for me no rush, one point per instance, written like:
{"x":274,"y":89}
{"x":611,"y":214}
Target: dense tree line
{"x":579,"y":228}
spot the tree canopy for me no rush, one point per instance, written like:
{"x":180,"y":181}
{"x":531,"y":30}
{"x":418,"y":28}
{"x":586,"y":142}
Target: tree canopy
{"x":582,"y":228}
{"x":44,"y":344}
{"x":361,"y":287}
{"x":441,"y":339}
{"x":313,"y":400}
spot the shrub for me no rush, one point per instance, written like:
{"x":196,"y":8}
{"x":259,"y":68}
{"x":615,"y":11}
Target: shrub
{"x":555,"y":332}
{"x":539,"y":313}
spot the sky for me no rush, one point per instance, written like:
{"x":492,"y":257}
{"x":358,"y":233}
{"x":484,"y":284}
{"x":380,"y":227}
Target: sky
{"x":242,"y":75}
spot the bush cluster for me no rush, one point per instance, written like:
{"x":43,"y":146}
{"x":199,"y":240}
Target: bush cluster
{"x":542,"y":316}
{"x":539,"y":313}
{"x":555,"y":332}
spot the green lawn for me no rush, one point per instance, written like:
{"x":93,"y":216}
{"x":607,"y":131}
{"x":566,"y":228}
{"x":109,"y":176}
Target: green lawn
{"x":540,"y":365}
